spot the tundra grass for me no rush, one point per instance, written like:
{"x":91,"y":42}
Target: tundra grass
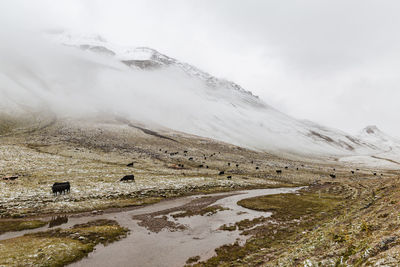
{"x":59,"y":247}
{"x":292,"y":214}
{"x":19,"y":225}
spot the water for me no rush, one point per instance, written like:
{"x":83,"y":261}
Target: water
{"x":170,"y":248}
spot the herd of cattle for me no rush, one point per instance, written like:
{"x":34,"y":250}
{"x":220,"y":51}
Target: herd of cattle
{"x":65,"y":187}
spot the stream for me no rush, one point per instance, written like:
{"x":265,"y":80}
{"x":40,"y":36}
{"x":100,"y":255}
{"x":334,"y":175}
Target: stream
{"x":142,"y":247}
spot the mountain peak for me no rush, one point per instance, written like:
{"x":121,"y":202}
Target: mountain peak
{"x":371,"y":129}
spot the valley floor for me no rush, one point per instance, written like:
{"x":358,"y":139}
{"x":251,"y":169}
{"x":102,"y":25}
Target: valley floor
{"x":352,"y":219}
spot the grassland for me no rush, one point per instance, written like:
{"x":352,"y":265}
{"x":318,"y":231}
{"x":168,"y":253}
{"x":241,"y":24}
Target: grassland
{"x":58,"y":247}
{"x":351,"y":220}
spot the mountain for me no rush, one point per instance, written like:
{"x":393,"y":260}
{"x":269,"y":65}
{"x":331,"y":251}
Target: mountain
{"x":87,"y":74}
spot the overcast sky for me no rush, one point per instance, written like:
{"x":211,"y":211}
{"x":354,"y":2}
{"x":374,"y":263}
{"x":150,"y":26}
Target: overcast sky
{"x":333,"y":62}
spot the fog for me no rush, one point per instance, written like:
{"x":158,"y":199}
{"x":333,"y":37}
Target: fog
{"x":332,"y":62}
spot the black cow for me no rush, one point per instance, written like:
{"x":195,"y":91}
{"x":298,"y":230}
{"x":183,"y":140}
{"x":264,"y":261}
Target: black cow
{"x":207,"y":166}
{"x":278,"y":171}
{"x":375,"y":173}
{"x":257,"y":168}
{"x":61,"y":188}
{"x":130,"y":177}
{"x":229,"y":177}
{"x":352,"y":172}
{"x":333,"y":176}
{"x":286,"y":167}
{"x":229,"y":164}
{"x":221,"y":173}
{"x":130,"y":164}
{"x":237,"y":165}
{"x":201,"y":166}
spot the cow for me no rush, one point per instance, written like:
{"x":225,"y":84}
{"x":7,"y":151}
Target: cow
{"x":297,"y":169}
{"x":375,"y":173}
{"x":61,"y":188}
{"x":229,"y":177}
{"x":229,"y":164}
{"x":237,"y":165}
{"x":130,"y":177}
{"x":201,"y":166}
{"x":333,"y":176}
{"x":357,"y":169}
{"x":207,"y":166}
{"x":221,"y":173}
{"x":257,"y":168}
{"x":12,"y":178}
{"x":286,"y":167}
{"x":185,"y":151}
{"x":190,"y":158}
{"x":352,"y":172}
{"x":278,"y":171}
{"x":130,"y":164}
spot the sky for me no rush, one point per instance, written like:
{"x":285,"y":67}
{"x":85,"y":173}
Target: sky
{"x":332,"y":62}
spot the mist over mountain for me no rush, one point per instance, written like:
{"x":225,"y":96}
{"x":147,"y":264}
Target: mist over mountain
{"x":73,"y":75}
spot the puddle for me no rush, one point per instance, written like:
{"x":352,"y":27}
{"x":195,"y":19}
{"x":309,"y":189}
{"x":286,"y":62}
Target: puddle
{"x":200,"y":237}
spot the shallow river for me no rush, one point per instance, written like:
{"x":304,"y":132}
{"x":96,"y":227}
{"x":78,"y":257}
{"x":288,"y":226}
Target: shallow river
{"x":169,"y":248}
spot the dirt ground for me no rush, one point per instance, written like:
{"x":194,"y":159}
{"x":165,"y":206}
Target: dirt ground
{"x":93,"y":155}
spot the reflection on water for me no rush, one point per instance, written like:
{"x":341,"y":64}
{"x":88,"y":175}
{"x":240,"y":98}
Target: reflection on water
{"x":58,"y":220}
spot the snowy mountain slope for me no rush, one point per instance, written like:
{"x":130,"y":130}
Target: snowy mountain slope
{"x":389,"y":156}
{"x":146,"y":86}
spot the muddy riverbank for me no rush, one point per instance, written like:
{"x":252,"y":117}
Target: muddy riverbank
{"x":195,"y":229}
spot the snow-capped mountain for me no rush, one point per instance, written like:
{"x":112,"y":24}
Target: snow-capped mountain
{"x":87,"y":74}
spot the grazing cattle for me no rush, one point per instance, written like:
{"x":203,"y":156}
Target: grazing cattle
{"x":61,"y":188}
{"x":205,"y":158}
{"x":173,"y":154}
{"x":185,"y":152}
{"x":352,"y":172}
{"x":190,"y":158}
{"x":229,"y":177}
{"x":278,"y":171}
{"x":333,"y":176}
{"x":334,"y":169}
{"x":12,"y":178}
{"x":130,"y":164}
{"x":257,"y":168}
{"x":286,"y":167}
{"x":207,"y":166}
{"x":166,"y":151}
{"x":252,"y":162}
{"x":375,"y":173}
{"x":130,"y":177}
{"x":237,"y":165}
{"x":297,"y":169}
{"x":357,"y":169}
{"x":229,"y":164}
{"x":201,"y":166}
{"x":221,"y":173}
